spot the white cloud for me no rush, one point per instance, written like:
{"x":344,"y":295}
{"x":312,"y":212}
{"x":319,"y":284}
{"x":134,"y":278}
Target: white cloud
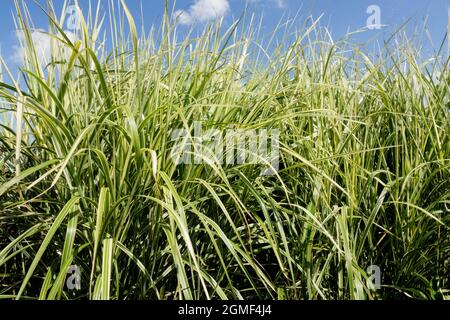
{"x":280,"y":3}
{"x":203,"y":11}
{"x":43,"y":44}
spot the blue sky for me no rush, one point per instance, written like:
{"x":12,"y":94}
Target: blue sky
{"x":339,"y":15}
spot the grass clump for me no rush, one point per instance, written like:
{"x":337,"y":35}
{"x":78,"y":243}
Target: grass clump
{"x":87,"y":177}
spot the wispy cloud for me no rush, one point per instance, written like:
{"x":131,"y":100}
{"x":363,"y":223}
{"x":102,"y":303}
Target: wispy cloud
{"x":203,"y":11}
{"x":43,"y":44}
{"x":280,"y":3}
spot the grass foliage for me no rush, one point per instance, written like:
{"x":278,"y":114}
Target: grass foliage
{"x":86,"y":176}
